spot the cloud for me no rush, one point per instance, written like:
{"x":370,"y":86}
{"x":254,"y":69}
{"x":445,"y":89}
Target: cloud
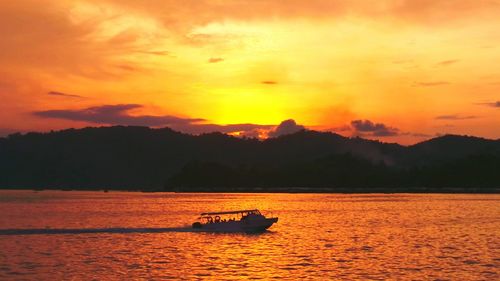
{"x":285,"y":128}
{"x":128,"y":68}
{"x":114,"y":115}
{"x":492,"y":104}
{"x":367,"y":127}
{"x":432,"y":83}
{"x":46,"y":35}
{"x":455,"y":117}
{"x":343,"y":128}
{"x":54,"y":93}
{"x":447,"y":62}
{"x":199,"y":12}
{"x":42,"y":35}
{"x":119,"y":115}
{"x":215,"y":60}
{"x":269,"y":82}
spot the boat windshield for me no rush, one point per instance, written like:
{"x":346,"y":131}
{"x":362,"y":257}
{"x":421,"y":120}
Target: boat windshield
{"x":247,"y":212}
{"x":227,"y":216}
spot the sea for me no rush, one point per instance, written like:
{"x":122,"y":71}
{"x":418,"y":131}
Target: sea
{"x":96,"y":235}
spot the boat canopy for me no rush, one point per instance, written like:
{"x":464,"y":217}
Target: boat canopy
{"x":230,"y":212}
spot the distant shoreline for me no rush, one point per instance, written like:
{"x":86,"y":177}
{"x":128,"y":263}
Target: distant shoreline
{"x":284,"y":191}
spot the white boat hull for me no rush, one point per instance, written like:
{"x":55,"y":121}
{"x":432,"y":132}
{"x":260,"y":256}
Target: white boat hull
{"x":250,"y":225}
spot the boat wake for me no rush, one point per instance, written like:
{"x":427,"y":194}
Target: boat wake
{"x":44,"y":231}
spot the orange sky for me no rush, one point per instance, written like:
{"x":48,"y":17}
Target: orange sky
{"x":393,"y":70}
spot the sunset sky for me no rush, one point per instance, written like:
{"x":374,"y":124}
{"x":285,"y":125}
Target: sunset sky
{"x":392,"y":70}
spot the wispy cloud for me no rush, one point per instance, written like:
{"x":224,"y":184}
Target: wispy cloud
{"x":423,"y":12}
{"x":492,"y":104}
{"x":269,"y":82}
{"x":495,"y":104}
{"x":60,"y":94}
{"x":156,"y":53}
{"x":215,"y":60}
{"x":455,"y":117}
{"x":447,"y":62}
{"x":114,"y":115}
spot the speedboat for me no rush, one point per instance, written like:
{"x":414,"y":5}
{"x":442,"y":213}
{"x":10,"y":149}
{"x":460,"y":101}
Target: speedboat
{"x":234,"y":221}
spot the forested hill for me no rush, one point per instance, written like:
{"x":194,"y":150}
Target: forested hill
{"x":141,"y":158}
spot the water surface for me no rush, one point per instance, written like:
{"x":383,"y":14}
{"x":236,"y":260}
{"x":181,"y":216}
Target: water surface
{"x":122,"y":235}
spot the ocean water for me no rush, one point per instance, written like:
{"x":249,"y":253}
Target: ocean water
{"x":69,"y":235}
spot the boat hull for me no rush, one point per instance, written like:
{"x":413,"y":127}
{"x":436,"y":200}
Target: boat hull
{"x":255,"y":225}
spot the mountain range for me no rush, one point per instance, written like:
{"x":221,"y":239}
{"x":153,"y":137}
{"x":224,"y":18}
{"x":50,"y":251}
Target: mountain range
{"x":142,"y":158}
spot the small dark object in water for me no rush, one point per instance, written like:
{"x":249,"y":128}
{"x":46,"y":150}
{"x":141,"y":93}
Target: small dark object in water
{"x":196,"y":225}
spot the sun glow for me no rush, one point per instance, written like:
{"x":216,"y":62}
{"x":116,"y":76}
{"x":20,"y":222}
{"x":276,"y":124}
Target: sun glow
{"x":399,"y":64}
{"x":248,"y":105}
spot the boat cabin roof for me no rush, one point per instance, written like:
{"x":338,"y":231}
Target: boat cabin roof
{"x":229,"y":212}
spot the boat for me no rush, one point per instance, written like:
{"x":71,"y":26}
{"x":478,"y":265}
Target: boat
{"x":234,"y":221}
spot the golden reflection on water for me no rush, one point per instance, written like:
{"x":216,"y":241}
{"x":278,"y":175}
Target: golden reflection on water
{"x":318,"y":236}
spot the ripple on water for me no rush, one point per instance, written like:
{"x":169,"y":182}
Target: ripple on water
{"x":367,"y":237}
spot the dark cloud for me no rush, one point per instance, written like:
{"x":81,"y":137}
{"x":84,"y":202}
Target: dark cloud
{"x":492,"y":104}
{"x":367,"y":127}
{"x":285,"y":128}
{"x":54,"y":93}
{"x":215,"y":60}
{"x":455,"y":117}
{"x":114,"y":115}
{"x":431,"y":84}
{"x":343,"y":128}
{"x":269,"y":82}
{"x":119,"y":115}
{"x":447,"y":62}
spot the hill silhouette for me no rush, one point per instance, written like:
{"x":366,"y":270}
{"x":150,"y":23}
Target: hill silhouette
{"x":141,"y":158}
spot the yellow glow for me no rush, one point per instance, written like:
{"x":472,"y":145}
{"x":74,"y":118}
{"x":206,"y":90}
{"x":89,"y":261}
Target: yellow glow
{"x":321,"y":67}
{"x":239,"y":106}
